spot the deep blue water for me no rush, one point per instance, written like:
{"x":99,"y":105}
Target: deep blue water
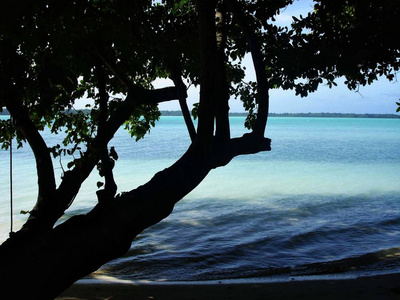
{"x":326,"y":199}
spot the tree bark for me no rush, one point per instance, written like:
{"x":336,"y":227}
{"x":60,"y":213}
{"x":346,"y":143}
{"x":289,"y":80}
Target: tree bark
{"x":45,"y":265}
{"x":44,"y":164}
{"x":208,"y":74}
{"x":84,"y":243}
{"x":182,"y":96}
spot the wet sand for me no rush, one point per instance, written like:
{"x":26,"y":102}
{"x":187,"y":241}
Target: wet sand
{"x":363,"y":288}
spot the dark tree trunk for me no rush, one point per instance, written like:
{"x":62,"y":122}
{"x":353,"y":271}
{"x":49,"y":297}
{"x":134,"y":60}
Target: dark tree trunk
{"x":40,"y":264}
{"x":84,"y":243}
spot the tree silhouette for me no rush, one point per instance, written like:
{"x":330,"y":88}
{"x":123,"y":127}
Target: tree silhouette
{"x":52,"y":53}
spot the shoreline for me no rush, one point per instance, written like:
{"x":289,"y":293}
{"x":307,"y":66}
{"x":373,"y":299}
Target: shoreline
{"x":366,"y":287}
{"x":178,"y":113}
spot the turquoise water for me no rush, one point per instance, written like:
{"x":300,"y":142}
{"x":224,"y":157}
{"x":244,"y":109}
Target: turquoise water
{"x":326,"y":199}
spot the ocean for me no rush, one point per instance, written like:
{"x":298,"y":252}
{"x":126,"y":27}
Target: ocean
{"x":324,"y":202}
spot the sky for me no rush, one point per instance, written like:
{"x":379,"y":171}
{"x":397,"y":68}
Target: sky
{"x":379,"y":98}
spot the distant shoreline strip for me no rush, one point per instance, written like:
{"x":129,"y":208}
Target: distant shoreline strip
{"x":300,"y":115}
{"x":304,"y":115}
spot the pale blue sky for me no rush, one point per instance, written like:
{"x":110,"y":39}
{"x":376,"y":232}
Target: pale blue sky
{"x":379,"y":97}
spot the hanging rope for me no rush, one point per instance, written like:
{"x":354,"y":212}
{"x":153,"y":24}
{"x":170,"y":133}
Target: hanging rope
{"x":11,"y":180}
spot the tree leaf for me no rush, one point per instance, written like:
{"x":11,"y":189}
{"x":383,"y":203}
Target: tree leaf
{"x":113,"y":153}
{"x":99,"y":184}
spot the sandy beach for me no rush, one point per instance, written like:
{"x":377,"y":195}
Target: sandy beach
{"x":370,"y":287}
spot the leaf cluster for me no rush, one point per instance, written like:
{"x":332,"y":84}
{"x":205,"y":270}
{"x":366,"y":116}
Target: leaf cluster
{"x":49,"y":50}
{"x":351,"y":38}
{"x":142,"y":120}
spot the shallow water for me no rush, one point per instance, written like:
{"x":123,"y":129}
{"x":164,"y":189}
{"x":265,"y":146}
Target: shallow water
{"x":326,"y":199}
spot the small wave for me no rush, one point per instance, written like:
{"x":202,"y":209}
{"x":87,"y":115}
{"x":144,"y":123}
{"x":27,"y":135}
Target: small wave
{"x":385,"y":260}
{"x":381,"y":262}
{"x":230,"y":239}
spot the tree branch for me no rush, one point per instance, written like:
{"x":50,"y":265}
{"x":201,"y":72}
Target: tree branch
{"x":222,"y":114}
{"x":110,"y":187}
{"x":174,"y":68}
{"x":73,"y":179}
{"x":108,"y":230}
{"x":12,"y":93}
{"x":182,"y":95}
{"x":157,"y":95}
{"x":205,"y":128}
{"x":259,"y":66}
{"x":213,"y":91}
{"x":249,"y":143}
{"x":44,"y":164}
